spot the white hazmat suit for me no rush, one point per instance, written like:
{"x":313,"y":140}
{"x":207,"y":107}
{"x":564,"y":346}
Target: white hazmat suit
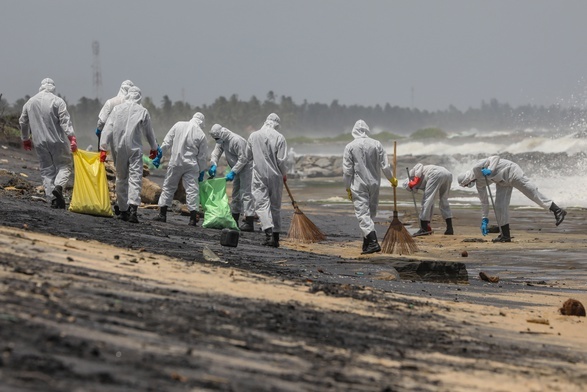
{"x":188,"y":157}
{"x":234,"y":148}
{"x":111,"y":103}
{"x":433,"y":180}
{"x":46,"y":120}
{"x":128,"y":123}
{"x":363,"y":161}
{"x":268,"y":150}
{"x":506,"y":175}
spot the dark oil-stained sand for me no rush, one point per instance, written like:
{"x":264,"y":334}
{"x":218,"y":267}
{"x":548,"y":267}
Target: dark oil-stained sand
{"x":92,"y":303}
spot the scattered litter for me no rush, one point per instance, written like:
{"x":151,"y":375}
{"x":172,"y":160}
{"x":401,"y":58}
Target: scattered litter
{"x":24,"y":175}
{"x":39,"y":198}
{"x":491,"y":279}
{"x":572,"y":307}
{"x":474,"y":240}
{"x":211,"y":256}
{"x":538,"y":321}
{"x":464,"y":253}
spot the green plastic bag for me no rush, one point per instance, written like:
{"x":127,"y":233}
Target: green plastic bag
{"x":90,"y":186}
{"x":214,"y":202}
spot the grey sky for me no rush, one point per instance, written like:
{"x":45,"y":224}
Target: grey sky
{"x":368,"y":52}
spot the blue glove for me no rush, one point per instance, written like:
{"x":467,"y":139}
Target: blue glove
{"x":201,"y":177}
{"x":156,"y":162}
{"x":230,"y":176}
{"x":212,"y":171}
{"x":484,"y":223}
{"x":159,"y":153}
{"x":98,"y":132}
{"x":486,"y":172}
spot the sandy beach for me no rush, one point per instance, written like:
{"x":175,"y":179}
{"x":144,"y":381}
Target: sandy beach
{"x":93,"y":303}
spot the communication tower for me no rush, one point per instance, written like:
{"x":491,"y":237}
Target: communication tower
{"x":96,"y":71}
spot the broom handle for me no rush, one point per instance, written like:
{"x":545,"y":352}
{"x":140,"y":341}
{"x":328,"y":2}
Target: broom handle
{"x":293,"y":202}
{"x":394,"y":165}
{"x":492,"y":203}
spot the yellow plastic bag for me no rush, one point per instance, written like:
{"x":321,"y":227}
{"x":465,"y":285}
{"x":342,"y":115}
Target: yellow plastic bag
{"x":90,"y":186}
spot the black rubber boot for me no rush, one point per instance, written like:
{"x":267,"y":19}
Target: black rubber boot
{"x":449,"y":230}
{"x":124,"y":215}
{"x":194,"y":218}
{"x":276,"y":240}
{"x":116,"y":210}
{"x":372,"y":244}
{"x":236,"y":217}
{"x":59,"y":200}
{"x":54,"y":203}
{"x":425,"y":229}
{"x":132,"y":213}
{"x":249,"y":224}
{"x":269,"y":241}
{"x":559,"y":213}
{"x":162,"y":217}
{"x":365,"y":243}
{"x":505,"y":234}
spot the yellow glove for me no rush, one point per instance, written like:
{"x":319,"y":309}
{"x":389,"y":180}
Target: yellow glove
{"x":349,"y":194}
{"x":393,"y":182}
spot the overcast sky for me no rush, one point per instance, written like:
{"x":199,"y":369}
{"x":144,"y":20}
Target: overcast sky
{"x":429,"y":54}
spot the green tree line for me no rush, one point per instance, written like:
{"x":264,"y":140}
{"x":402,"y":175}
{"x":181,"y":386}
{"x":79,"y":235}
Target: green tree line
{"x":319,"y":120}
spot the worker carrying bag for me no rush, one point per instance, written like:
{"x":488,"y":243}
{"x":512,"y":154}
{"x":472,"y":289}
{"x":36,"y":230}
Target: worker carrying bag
{"x":90,"y":186}
{"x":214,"y":202}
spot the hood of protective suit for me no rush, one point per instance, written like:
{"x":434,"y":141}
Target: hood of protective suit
{"x":218,"y":132}
{"x":273,"y":121}
{"x":361,"y":129}
{"x":200,"y":119}
{"x":466,"y":179}
{"x":134,"y":94}
{"x":48,"y":85}
{"x":124,"y":88}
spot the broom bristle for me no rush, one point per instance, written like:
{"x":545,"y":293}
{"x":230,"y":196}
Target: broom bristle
{"x":302,"y":229}
{"x":398,"y":239}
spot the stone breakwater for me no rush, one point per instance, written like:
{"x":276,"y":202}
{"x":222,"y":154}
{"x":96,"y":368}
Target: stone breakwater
{"x":315,"y":166}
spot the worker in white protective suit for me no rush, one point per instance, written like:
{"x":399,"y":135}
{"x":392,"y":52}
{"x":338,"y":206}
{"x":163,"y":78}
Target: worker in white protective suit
{"x":128,"y":123}
{"x":188,"y":156}
{"x":234,"y":148}
{"x":109,"y":105}
{"x":432,"y":180}
{"x":46,"y":120}
{"x":268,"y":150}
{"x":363,"y":161}
{"x":506,"y":175}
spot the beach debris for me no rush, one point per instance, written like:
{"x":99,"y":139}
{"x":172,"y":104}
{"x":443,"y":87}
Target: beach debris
{"x":465,"y":253}
{"x":538,"y":321}
{"x":474,"y":240}
{"x":486,"y":278}
{"x":209,"y":255}
{"x":572,"y":307}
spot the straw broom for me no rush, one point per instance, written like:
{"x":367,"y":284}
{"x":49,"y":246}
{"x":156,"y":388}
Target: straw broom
{"x":397,"y":238}
{"x":302,"y":229}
